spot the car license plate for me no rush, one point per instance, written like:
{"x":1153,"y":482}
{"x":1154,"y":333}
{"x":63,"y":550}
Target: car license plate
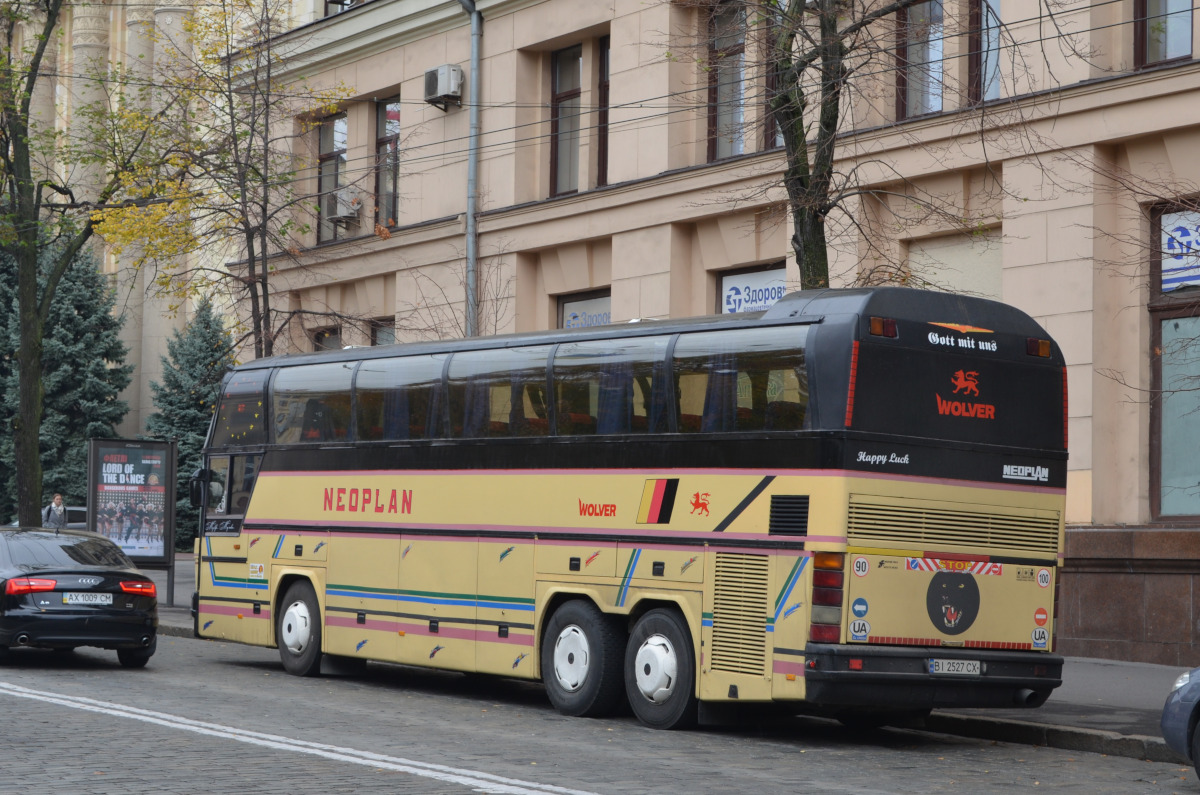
{"x":87,"y":599}
{"x":957,"y":667}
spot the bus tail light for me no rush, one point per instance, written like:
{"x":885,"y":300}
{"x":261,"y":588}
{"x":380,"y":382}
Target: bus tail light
{"x":23,"y":585}
{"x":1066,"y":413}
{"x":883,"y":327}
{"x":1054,"y":621}
{"x":1037,"y":347}
{"x":827,"y":597}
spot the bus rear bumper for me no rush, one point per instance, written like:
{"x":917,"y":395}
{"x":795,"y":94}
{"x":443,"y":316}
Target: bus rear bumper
{"x":899,"y":677}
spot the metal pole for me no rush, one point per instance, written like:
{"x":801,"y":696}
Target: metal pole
{"x":472,"y":324}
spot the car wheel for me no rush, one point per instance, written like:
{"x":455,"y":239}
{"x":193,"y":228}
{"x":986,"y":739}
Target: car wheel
{"x":137,"y":658}
{"x":581,"y":660}
{"x":660,"y":671}
{"x":298,"y":631}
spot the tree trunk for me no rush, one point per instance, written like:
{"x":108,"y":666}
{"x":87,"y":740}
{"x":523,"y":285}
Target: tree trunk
{"x":27,"y":423}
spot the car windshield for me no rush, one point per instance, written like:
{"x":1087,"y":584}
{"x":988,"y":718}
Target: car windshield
{"x":33,"y":551}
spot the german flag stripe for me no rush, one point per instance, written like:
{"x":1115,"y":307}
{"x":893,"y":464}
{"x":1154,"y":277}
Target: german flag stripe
{"x":658,"y":500}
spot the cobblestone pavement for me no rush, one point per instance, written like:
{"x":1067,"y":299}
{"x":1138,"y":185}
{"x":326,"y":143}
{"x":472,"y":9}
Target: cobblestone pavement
{"x":221,"y":718}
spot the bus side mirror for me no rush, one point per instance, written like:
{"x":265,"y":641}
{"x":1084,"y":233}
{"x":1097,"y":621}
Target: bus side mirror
{"x":196,"y":487}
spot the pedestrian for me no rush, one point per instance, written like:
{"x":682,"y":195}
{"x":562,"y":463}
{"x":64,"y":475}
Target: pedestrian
{"x":55,"y":514}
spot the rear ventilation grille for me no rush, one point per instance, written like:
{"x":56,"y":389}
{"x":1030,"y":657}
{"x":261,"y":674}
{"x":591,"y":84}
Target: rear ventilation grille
{"x":739,"y":638}
{"x":789,"y":515}
{"x":923,"y":525}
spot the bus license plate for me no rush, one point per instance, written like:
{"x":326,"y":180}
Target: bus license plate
{"x":958,"y":667}
{"x":87,"y":599}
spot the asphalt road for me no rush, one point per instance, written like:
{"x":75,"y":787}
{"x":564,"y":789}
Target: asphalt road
{"x":223,"y":718}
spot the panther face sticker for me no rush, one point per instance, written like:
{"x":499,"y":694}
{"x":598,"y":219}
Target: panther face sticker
{"x":952,"y":601}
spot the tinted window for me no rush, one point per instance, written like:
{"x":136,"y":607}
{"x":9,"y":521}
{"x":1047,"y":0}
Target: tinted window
{"x":749,"y":380}
{"x":499,"y":393}
{"x":397,"y":397}
{"x":33,"y":551}
{"x":240,"y":417}
{"x":312,"y":403}
{"x":608,"y":386}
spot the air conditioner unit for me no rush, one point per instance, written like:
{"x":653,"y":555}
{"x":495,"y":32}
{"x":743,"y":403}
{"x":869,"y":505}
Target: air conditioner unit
{"x":443,"y":85}
{"x":348,"y":204}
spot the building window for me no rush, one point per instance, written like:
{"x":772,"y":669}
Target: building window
{"x":383,"y":331}
{"x":919,"y":60}
{"x":580,"y":310}
{"x":1162,"y":31}
{"x":566,"y":80}
{"x":772,"y":131}
{"x":983,"y":48}
{"x":727,"y":81}
{"x":327,"y":339}
{"x":387,"y":161}
{"x":1175,"y":324}
{"x":602,"y":116}
{"x":331,"y":171}
{"x":338,"y":6}
{"x":751,"y":289}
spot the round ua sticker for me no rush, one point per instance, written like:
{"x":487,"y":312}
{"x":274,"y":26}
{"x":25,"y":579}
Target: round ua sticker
{"x":952,"y":601}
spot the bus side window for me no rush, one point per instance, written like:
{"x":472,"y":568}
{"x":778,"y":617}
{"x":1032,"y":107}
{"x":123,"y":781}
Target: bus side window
{"x":241,"y":483}
{"x":398,"y":398}
{"x":218,"y":487}
{"x":311,"y":403}
{"x":745,"y":380}
{"x":498,"y":392}
{"x":611,"y":386}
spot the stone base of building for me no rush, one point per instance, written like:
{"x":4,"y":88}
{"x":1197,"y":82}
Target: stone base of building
{"x":1131,"y":593}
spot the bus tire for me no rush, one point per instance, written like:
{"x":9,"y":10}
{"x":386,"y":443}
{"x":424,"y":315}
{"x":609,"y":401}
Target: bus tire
{"x":581,"y":660}
{"x":298,"y":630}
{"x":660,"y":671}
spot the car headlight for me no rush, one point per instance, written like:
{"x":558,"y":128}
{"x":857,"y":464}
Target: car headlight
{"x":1183,"y":679}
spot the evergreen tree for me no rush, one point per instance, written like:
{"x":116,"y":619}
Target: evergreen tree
{"x":83,"y":361}
{"x":198,"y":358}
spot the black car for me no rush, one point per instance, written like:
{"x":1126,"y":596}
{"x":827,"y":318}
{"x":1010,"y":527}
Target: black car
{"x":67,"y":588}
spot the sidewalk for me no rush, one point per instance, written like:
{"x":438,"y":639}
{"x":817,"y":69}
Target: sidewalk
{"x":1103,"y":706}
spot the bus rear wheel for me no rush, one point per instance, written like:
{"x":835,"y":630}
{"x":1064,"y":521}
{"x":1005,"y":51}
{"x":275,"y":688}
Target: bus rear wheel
{"x":581,"y":660}
{"x":660,"y":671}
{"x":298,"y":631}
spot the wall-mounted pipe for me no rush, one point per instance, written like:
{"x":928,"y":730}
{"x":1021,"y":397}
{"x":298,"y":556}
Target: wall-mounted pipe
{"x":472,"y":324}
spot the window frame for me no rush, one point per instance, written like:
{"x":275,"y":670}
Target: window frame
{"x":387,"y":164}
{"x":1141,"y":31}
{"x":328,"y":229}
{"x":321,"y":334}
{"x":604,"y":55}
{"x":716,"y":55}
{"x":977,"y":63}
{"x":557,"y":98}
{"x":1163,"y":307}
{"x":903,"y":65}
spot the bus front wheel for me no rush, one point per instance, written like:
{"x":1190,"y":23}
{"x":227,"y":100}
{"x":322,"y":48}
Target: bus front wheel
{"x":581,"y":660}
{"x":298,"y":631}
{"x":660,"y":672}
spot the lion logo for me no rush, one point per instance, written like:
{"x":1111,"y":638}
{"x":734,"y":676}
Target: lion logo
{"x":966,"y":382}
{"x":700,"y":503}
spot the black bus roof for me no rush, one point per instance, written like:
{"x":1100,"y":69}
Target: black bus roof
{"x":801,"y":307}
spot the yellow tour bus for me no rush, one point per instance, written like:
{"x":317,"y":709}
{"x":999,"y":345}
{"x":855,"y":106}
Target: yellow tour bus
{"x":851,"y":502}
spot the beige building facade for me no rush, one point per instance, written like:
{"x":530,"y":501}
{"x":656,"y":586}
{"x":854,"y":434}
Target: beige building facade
{"x":1046,"y":156}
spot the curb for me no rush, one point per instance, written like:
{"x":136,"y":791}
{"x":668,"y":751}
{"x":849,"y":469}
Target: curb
{"x":1068,"y":738}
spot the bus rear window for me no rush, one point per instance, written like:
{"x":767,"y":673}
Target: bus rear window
{"x":751,"y":380}
{"x":241,"y":415}
{"x":312,"y":403}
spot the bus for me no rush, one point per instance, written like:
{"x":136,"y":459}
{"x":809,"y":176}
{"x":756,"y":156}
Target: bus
{"x":849,"y":504}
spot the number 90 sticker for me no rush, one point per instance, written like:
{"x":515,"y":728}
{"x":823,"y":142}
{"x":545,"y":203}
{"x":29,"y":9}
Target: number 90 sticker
{"x":861,"y":566}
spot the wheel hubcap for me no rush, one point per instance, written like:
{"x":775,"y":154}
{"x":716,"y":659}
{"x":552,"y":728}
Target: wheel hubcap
{"x":297,"y":627}
{"x":571,"y":658}
{"x":656,"y":668}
